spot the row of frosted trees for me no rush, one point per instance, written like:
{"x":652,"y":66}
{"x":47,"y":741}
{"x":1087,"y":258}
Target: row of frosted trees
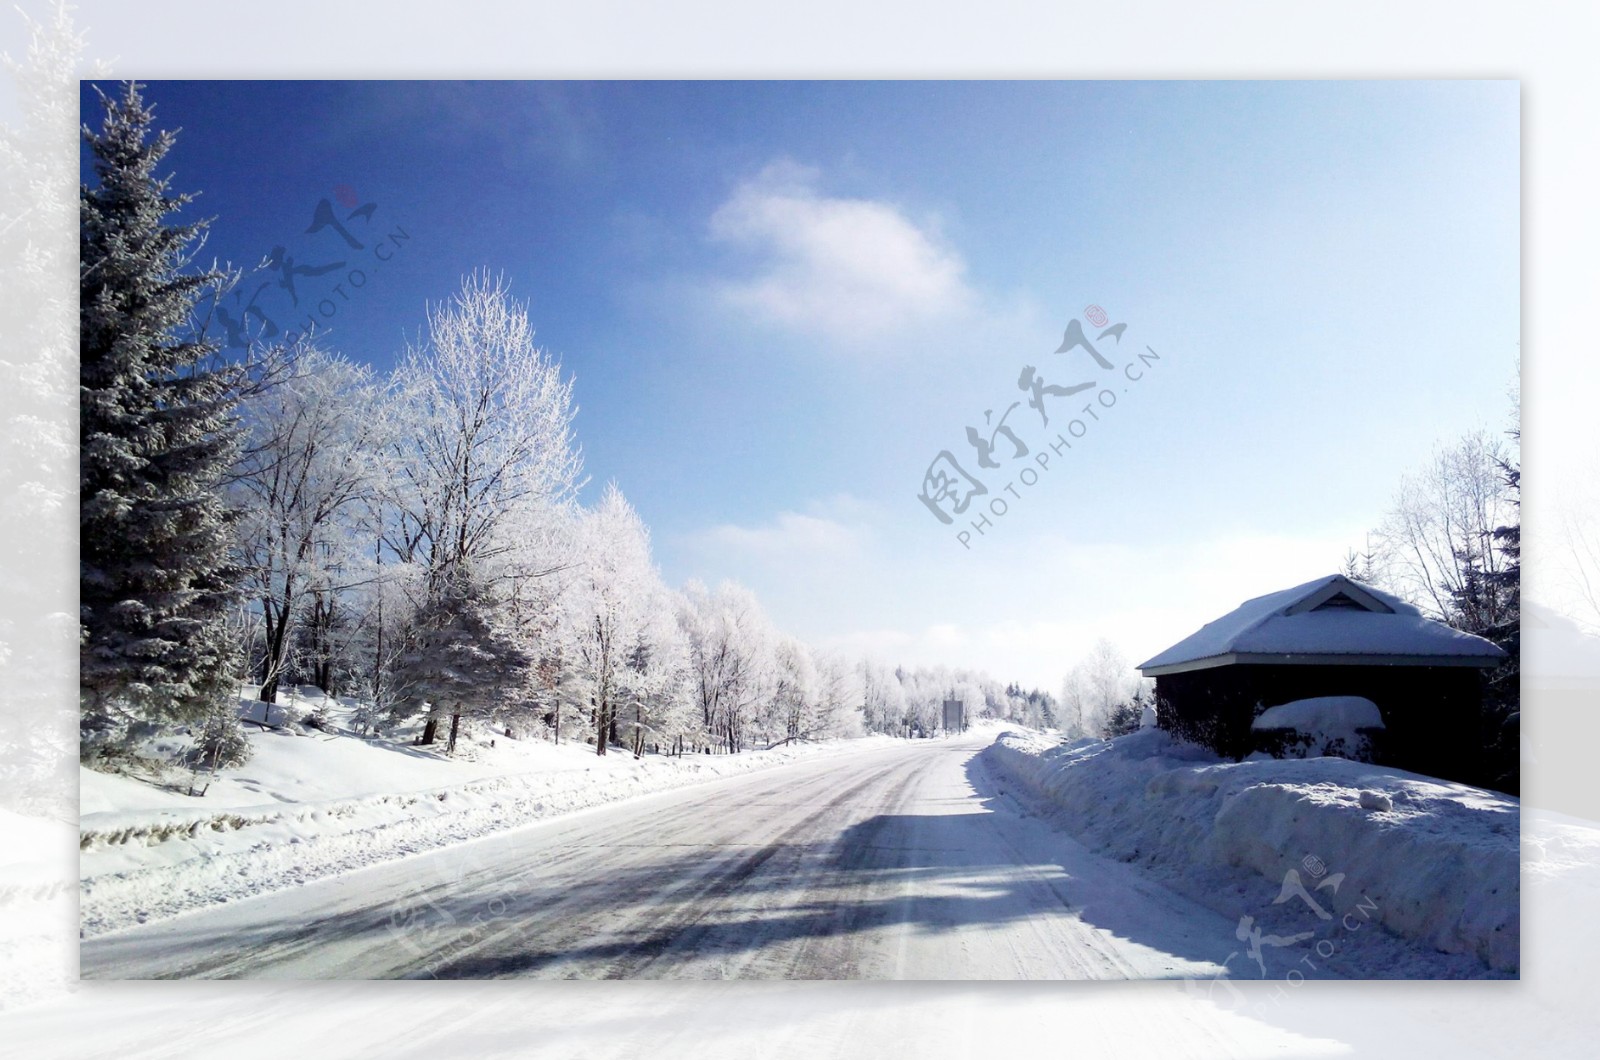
{"x":415,"y":542}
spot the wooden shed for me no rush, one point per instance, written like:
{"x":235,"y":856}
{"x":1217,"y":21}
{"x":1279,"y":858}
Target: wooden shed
{"x":1331,"y":637}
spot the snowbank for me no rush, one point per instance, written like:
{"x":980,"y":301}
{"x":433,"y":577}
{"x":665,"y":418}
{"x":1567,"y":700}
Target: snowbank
{"x":1430,"y":860}
{"x":147,"y":854}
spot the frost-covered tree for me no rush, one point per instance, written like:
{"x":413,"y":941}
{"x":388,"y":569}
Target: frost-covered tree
{"x":156,"y":442}
{"x":1360,"y":566}
{"x":305,"y":486}
{"x":796,"y":710}
{"x":883,"y":698}
{"x":482,"y":464}
{"x":609,"y":600}
{"x":534,"y":574}
{"x":653,"y":689}
{"x":1437,"y":546}
{"x":729,"y":642}
{"x":1503,"y":695}
{"x":839,"y":696}
{"x":925,"y":691}
{"x":384,"y":606}
{"x":1451,"y":544}
{"x":1100,"y":683}
{"x":484,"y":429}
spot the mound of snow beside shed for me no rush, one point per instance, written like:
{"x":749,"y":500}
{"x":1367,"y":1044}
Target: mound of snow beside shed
{"x":1322,"y":715}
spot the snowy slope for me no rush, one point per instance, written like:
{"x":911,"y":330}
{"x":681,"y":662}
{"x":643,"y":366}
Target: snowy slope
{"x":1429,"y":860}
{"x":310,"y":804}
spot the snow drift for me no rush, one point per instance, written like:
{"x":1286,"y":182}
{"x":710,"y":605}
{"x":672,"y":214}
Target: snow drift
{"x":1430,"y":860}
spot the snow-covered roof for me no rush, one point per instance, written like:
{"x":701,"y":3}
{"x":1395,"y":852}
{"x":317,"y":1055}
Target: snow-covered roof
{"x":1329,"y":620}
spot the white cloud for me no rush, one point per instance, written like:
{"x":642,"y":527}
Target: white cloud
{"x":829,"y":535}
{"x":789,"y":535}
{"x":848,"y":269}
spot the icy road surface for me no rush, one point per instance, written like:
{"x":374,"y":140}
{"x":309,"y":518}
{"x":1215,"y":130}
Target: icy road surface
{"x":908,"y":862}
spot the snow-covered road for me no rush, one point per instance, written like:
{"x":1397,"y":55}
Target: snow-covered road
{"x":904,"y":862}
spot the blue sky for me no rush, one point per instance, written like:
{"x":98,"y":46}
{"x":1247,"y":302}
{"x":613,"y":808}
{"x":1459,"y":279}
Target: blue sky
{"x":782,"y":300}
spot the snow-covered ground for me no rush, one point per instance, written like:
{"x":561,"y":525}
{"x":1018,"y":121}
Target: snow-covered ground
{"x":899,"y":862}
{"x":1322,"y":845}
{"x":1368,"y":871}
{"x":310,"y":804}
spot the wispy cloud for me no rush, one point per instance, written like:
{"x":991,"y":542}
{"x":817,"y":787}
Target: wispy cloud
{"x":831,"y":530}
{"x":846,"y":269}
{"x":788,"y":534}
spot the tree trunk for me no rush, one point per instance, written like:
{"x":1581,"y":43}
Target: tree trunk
{"x":277,"y":632}
{"x":455,"y":727}
{"x":319,"y":631}
{"x":377,"y":651}
{"x":430,"y":731}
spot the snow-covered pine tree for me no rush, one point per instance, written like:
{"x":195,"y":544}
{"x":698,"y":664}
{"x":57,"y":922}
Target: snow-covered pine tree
{"x":1508,"y":537}
{"x":460,"y":658}
{"x":156,"y":440}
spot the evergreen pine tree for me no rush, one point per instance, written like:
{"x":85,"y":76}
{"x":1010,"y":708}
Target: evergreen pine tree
{"x":460,"y":660}
{"x":1508,"y":538}
{"x":1502,"y":699}
{"x":156,"y":439}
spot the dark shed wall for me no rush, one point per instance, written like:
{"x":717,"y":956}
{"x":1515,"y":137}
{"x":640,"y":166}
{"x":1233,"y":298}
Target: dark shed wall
{"x":1431,"y":714}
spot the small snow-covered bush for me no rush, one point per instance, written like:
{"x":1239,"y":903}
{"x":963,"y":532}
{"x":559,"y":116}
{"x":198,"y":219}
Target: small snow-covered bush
{"x":222,"y":743}
{"x":367,"y":716}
